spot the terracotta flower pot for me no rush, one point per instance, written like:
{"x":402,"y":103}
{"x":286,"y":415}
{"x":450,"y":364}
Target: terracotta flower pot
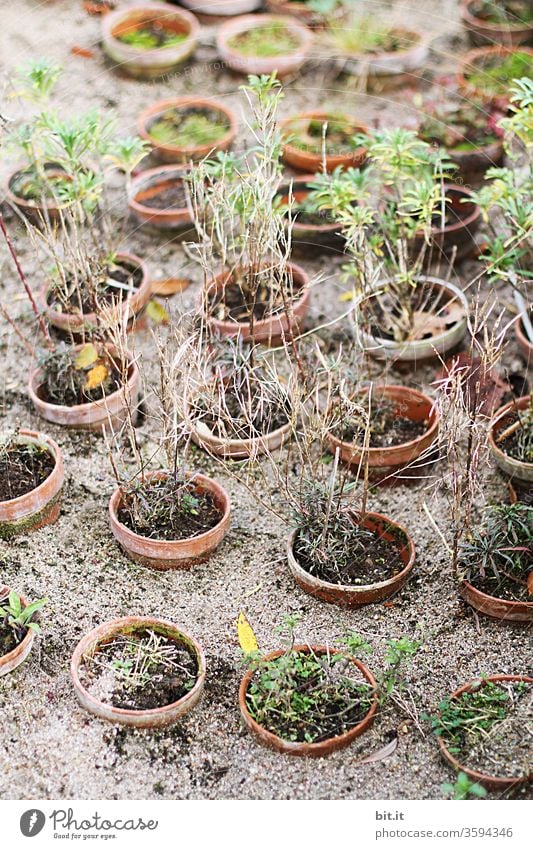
{"x":239,"y":449}
{"x":397,"y":461}
{"x":285,"y":64}
{"x":358,"y":595}
{"x":110,"y":411}
{"x":392,"y":67}
{"x":221,"y":8}
{"x":75,"y":323}
{"x":41,"y":505}
{"x":312,"y":750}
{"x":526,"y":347}
{"x":164,"y":554}
{"x":93,"y":8}
{"x":155,"y":717}
{"x":421,"y":350}
{"x":505,"y":416}
{"x":302,"y":12}
{"x":147,"y":64}
{"x":148,"y":185}
{"x":472,"y":164}
{"x":485,"y":32}
{"x":14,"y":658}
{"x":455,"y":240}
{"x":490,"y":782}
{"x":306,"y":236}
{"x":471,"y":60}
{"x":312,"y":163}
{"x":497,"y":608}
{"x":174,"y":153}
{"x":36,"y":211}
{"x":270,"y":329}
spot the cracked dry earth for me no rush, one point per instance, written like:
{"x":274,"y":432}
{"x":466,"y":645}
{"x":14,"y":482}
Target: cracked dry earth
{"x":48,"y":746}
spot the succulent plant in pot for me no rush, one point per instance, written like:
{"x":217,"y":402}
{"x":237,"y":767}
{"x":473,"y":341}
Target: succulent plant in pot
{"x":138,"y":671}
{"x":31,"y":480}
{"x":487,"y":72}
{"x":264,"y":44}
{"x":508,"y":22}
{"x":312,"y":140}
{"x":147,"y":41}
{"x":482,"y":730}
{"x":258,"y":295}
{"x":18,"y":628}
{"x":187,"y":128}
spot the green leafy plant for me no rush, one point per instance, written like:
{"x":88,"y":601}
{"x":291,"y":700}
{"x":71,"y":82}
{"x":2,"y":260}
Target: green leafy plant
{"x":500,"y":547}
{"x":270,"y":39}
{"x":463,"y":788}
{"x":18,"y":618}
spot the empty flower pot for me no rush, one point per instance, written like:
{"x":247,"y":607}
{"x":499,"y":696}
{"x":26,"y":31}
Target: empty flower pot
{"x":151,"y":199}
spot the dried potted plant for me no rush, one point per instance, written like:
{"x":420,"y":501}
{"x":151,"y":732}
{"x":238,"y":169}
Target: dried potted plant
{"x":138,"y":671}
{"x":187,"y":128}
{"x":18,"y":627}
{"x":496,"y":563}
{"x":508,"y":22}
{"x":264,"y":44}
{"x":482,"y":730}
{"x":487,"y":72}
{"x":315,"y":141}
{"x":307,"y":700}
{"x":31,"y":480}
{"x":259,"y":295}
{"x":151,"y":40}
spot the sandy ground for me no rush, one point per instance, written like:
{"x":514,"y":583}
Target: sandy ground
{"x":48,"y":746}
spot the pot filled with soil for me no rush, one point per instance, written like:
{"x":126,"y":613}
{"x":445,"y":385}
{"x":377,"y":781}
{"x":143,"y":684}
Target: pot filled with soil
{"x":187,"y":128}
{"x":259,"y":305}
{"x":138,"y":671}
{"x":511,"y":439}
{"x":170,"y":521}
{"x":240,"y":415}
{"x":312,"y":228}
{"x":18,"y":628}
{"x":309,"y":135}
{"x":524,"y":343}
{"x":482,"y":730}
{"x":307,"y":11}
{"x":39,"y":197}
{"x":468,"y":133}
{"x":454,"y":229}
{"x":150,"y":40}
{"x":308,"y":700}
{"x":262,"y":44}
{"x":353,"y":562}
{"x":119,"y":285}
{"x":31,"y":480}
{"x":488,"y":72}
{"x":403,"y":425}
{"x":433,"y":321}
{"x":382,"y":54}
{"x":159,"y":199}
{"x":85,"y":387}
{"x":508,"y":22}
{"x":496,"y":563}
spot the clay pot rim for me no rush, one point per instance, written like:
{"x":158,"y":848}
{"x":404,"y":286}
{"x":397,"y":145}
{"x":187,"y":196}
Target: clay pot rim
{"x":209,"y":483}
{"x":247,"y":444}
{"x":324,"y":747}
{"x":413,"y":443}
{"x":114,"y":627}
{"x":463,"y":223}
{"x":28,"y":637}
{"x":470,"y":58}
{"x":422,"y":39}
{"x":283,"y":191}
{"x":481,"y":777}
{"x":224,"y":278}
{"x":34,"y":385}
{"x":79,"y":320}
{"x":34,"y":206}
{"x":160,"y":106}
{"x":158,"y":11}
{"x":492,"y":28}
{"x":509,"y":604}
{"x":321,"y":115}
{"x":457,"y":295}
{"x":358,"y":589}
{"x":53,"y":448}
{"x":137,"y":185}
{"x":519,"y":330}
{"x":243,"y":23}
{"x":500,"y":414}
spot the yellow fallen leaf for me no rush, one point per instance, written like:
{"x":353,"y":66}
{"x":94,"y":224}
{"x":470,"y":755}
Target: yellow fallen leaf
{"x":247,"y":638}
{"x":347,"y":296}
{"x":95,"y":377}
{"x":86,"y":356}
{"x":169,"y":286}
{"x":157,"y":312}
